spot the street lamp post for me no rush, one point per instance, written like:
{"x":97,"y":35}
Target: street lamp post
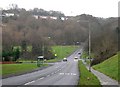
{"x":89,"y":48}
{"x":89,"y":37}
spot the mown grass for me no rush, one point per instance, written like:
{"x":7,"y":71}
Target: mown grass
{"x":62,"y":51}
{"x":109,"y":67}
{"x":8,"y":69}
{"x":0,"y":70}
{"x":87,"y":79}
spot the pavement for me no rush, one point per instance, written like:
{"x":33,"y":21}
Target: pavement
{"x":61,"y":73}
{"x":104,"y":79}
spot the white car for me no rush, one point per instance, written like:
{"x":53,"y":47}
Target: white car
{"x":76,"y":58}
{"x":65,"y":59}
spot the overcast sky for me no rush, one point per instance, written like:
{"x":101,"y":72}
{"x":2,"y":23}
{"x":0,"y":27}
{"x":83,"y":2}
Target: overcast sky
{"x":97,"y":8}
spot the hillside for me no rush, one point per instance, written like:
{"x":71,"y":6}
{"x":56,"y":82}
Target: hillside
{"x":109,"y":67}
{"x":37,"y":26}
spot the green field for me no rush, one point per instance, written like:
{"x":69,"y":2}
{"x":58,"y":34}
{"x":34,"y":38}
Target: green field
{"x":109,"y":67}
{"x":18,"y":68}
{"x":62,"y":51}
{"x":0,"y":69}
{"x":87,"y":79}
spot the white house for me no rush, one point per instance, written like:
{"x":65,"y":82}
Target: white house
{"x":9,"y":14}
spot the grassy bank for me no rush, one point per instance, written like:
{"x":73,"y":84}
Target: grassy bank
{"x":8,"y":69}
{"x":87,"y":79}
{"x":62,"y":51}
{"x":109,"y":67}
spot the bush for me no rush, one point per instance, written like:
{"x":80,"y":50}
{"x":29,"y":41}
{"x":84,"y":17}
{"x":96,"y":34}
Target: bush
{"x":16,"y":54}
{"x":11,"y":55}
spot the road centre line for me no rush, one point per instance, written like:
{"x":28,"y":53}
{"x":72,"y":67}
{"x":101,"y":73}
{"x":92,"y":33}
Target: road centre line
{"x":46,"y":76}
{"x":29,"y":82}
{"x":42,"y":77}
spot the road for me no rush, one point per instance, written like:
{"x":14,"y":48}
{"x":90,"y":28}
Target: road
{"x":61,"y":73}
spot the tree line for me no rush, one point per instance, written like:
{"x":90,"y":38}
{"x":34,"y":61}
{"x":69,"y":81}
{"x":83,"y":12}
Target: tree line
{"x":24,"y":31}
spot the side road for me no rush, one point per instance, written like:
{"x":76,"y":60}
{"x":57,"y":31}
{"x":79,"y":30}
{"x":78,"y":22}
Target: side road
{"x":104,"y":80}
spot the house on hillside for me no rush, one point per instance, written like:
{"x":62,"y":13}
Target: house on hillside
{"x":9,"y":14}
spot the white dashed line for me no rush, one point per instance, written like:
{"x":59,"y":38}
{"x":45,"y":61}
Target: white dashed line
{"x":55,"y":72}
{"x":67,"y":73}
{"x":52,"y":73}
{"x":58,"y":70}
{"x":72,"y":74}
{"x":29,"y":83}
{"x":61,"y":73}
{"x":42,"y":78}
{"x":48,"y":75}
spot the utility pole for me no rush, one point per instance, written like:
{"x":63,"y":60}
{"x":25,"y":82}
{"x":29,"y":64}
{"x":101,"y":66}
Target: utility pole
{"x":89,"y":48}
{"x":89,"y":38}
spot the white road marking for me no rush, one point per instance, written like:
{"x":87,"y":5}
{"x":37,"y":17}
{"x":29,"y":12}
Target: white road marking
{"x":67,"y":73}
{"x":72,"y":74}
{"x":61,"y":73}
{"x":29,"y":83}
{"x":55,"y":72}
{"x":58,"y":70}
{"x":52,"y":73}
{"x":48,"y":75}
{"x":42,"y":78}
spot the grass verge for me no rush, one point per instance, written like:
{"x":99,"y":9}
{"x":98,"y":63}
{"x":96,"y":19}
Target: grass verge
{"x":8,"y":69}
{"x":109,"y":67}
{"x":87,"y":79}
{"x":62,"y":51}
